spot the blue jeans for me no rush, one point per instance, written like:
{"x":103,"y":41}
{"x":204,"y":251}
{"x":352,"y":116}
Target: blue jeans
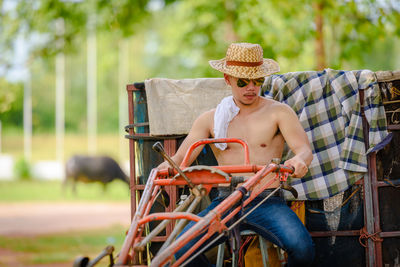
{"x":274,"y":221}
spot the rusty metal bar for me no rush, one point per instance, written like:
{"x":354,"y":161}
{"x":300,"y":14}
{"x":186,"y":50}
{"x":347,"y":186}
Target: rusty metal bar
{"x":160,"y":149}
{"x":383,"y":184}
{"x":212,"y":141}
{"x":132,"y":176}
{"x":194,"y":248}
{"x":225,"y":168}
{"x":170,"y":147}
{"x":335,"y":233}
{"x":256,"y":191}
{"x":390,"y":234}
{"x":135,"y":87}
{"x":170,"y":144}
{"x":195,"y":181}
{"x":131,"y":235}
{"x":212,"y":219}
{"x":181,"y":223}
{"x":368,"y":195}
{"x":153,"y":234}
{"x":159,"y":216}
{"x":394,"y":127}
{"x":138,"y":186}
{"x":375,"y":202}
{"x":108,"y":251}
{"x":147,"y":136}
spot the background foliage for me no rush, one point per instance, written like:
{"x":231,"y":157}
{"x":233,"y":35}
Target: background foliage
{"x":175,"y":39}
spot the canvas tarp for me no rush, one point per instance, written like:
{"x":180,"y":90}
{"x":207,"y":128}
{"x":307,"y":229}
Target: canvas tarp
{"x":173,"y":105}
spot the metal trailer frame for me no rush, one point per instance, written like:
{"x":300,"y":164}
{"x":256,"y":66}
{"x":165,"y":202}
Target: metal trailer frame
{"x":200,"y":179}
{"x":371,"y":232}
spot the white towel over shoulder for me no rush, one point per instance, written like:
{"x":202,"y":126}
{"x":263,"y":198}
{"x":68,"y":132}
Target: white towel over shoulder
{"x":225,"y":112}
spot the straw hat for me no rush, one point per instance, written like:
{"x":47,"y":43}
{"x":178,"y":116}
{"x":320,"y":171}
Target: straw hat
{"x":244,"y":60}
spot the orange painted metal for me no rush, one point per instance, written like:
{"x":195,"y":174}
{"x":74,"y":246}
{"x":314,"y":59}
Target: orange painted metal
{"x":195,"y":180}
{"x":132,"y":177}
{"x":214,"y":217}
{"x":225,"y":168}
{"x":212,"y":141}
{"x":210,"y":224}
{"x":169,"y":216}
{"x":170,"y":148}
{"x":133,"y":230}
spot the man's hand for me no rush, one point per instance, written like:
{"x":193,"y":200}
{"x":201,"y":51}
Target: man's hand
{"x":300,"y":167}
{"x":164,"y":165}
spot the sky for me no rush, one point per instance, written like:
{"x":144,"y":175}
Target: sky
{"x":18,"y":71}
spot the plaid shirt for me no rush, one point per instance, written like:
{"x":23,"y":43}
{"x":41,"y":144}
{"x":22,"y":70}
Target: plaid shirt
{"x":328,"y":106}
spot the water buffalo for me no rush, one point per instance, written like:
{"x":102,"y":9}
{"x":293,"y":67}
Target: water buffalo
{"x":88,"y":169}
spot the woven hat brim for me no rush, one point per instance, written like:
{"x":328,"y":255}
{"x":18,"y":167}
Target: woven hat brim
{"x":268,"y":67}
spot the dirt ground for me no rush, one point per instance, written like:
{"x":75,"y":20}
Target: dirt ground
{"x":47,"y":218}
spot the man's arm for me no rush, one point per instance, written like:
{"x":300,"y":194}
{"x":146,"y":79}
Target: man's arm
{"x":200,"y":130}
{"x":296,"y":138}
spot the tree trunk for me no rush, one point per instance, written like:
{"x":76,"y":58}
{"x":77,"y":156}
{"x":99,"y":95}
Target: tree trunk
{"x":230,"y":34}
{"x":319,"y":37}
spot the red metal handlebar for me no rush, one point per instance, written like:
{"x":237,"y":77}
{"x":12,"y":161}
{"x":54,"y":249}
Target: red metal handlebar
{"x":212,"y":141}
{"x":212,"y":223}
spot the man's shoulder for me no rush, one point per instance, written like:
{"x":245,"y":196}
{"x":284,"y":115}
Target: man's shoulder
{"x":271,"y":103}
{"x":207,"y":116}
{"x":209,"y":113}
{"x":273,"y":107}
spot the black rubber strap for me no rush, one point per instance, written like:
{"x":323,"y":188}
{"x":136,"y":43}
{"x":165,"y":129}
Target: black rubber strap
{"x":242,"y":190}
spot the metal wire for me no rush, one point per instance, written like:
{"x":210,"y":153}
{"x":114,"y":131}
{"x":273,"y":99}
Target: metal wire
{"x":230,"y":228}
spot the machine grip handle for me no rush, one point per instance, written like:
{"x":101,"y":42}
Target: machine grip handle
{"x":292,"y":169}
{"x":158,"y":147}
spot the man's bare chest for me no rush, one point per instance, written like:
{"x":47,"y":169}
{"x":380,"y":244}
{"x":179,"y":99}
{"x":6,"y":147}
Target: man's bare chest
{"x":253,"y":130}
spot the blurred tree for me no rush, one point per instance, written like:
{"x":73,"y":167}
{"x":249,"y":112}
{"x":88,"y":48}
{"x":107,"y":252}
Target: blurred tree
{"x":39,"y":18}
{"x":35,"y":22}
{"x":337,"y":31}
{"x":75,"y":91}
{"x":7,"y":97}
{"x":43,"y":95}
{"x":300,"y":34}
{"x":175,"y":39}
{"x":11,"y":99}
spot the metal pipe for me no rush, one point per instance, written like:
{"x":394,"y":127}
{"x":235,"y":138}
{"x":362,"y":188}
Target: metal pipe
{"x":160,"y":149}
{"x":179,"y":226}
{"x":132,"y":174}
{"x":368,"y":203}
{"x":213,"y":217}
{"x":335,"y":233}
{"x":375,"y":201}
{"x":131,"y":235}
{"x":162,"y":225}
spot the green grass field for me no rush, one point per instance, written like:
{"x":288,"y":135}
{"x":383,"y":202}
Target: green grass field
{"x":52,"y":191}
{"x":65,"y":247}
{"x":52,"y":249}
{"x":44,"y":145}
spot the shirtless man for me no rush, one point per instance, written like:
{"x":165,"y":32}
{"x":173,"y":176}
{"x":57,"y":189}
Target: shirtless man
{"x":265,"y":125}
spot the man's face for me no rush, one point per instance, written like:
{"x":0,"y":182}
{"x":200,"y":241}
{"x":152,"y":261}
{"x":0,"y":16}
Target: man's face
{"x":245,"y":95}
